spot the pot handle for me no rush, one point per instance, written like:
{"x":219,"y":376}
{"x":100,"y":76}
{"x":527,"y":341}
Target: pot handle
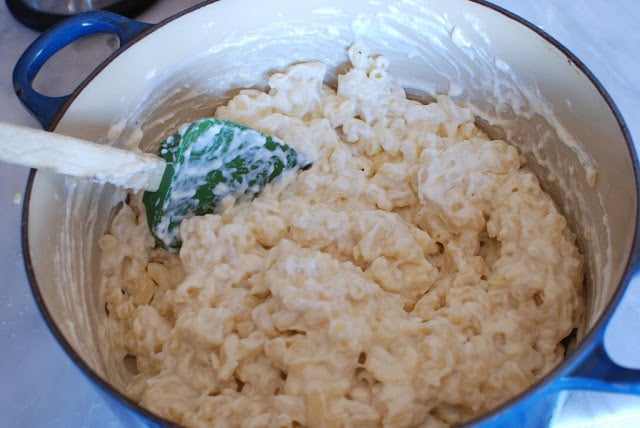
{"x":45,"y":108}
{"x":596,"y":371}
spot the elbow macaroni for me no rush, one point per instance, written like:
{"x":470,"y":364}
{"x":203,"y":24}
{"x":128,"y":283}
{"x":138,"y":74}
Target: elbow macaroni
{"x":415,"y":275}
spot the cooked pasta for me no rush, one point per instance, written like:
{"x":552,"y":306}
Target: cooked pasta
{"x":415,"y":275}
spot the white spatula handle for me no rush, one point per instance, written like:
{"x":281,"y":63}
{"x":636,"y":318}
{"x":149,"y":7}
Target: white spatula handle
{"x":67,"y":155}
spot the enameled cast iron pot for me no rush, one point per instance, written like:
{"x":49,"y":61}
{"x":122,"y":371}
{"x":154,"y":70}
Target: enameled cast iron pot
{"x":522,"y":84}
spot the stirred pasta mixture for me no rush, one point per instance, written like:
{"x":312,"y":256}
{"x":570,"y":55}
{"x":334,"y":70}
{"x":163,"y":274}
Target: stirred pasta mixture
{"x":415,"y":275}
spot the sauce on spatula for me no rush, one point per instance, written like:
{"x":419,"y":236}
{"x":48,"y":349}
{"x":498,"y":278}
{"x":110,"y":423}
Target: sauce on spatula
{"x":207,"y":161}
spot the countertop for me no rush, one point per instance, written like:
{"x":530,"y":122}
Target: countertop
{"x":41,"y":387}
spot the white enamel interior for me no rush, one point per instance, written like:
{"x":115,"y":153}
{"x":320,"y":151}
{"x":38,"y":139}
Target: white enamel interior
{"x":515,"y":79}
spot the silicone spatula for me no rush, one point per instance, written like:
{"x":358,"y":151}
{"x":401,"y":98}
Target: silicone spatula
{"x":197,"y":167}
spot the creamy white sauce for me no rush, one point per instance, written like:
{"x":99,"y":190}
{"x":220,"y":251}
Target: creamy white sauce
{"x":208,"y":153}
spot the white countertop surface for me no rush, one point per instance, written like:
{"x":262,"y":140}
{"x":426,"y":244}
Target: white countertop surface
{"x":41,"y":387}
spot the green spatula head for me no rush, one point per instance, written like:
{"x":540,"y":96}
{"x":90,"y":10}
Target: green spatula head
{"x":207,"y":161}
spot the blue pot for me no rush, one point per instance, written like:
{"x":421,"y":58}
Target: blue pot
{"x":494,"y":44}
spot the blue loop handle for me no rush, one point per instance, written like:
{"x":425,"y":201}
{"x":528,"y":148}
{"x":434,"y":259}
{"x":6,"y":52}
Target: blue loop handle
{"x":595,"y":370}
{"x":45,"y":108}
